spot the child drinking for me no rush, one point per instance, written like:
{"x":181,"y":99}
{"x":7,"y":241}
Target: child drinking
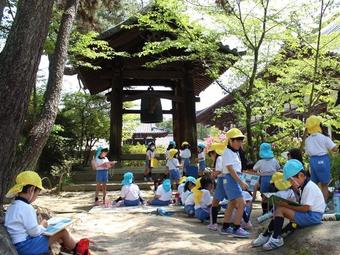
{"x":201,"y":159}
{"x":185,"y":155}
{"x":163,"y":194}
{"x":21,"y":220}
{"x":150,"y":155}
{"x":317,"y":147}
{"x":173,"y":166}
{"x":266,"y":167}
{"x":309,"y":212}
{"x":102,"y":172}
{"x":215,"y":151}
{"x":130,"y":192}
{"x":187,"y":196}
{"x":232,"y":165}
{"x":202,"y":198}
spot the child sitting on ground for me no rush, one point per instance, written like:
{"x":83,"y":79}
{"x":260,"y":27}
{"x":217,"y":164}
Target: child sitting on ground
{"x":180,"y":189}
{"x":202,"y":198}
{"x":173,"y":166}
{"x":309,"y":212}
{"x":266,"y":167}
{"x":187,"y":197}
{"x":201,"y":159}
{"x":130,"y":194}
{"x":163,"y":194}
{"x":21,"y":220}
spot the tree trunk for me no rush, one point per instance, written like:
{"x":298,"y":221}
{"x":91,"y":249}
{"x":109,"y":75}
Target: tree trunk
{"x":2,"y":7}
{"x":41,"y":130}
{"x":249,"y":133}
{"x":19,"y":63}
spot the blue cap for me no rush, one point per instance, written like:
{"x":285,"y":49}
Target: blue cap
{"x":292,"y":168}
{"x":191,"y":179}
{"x":167,"y":185}
{"x":173,"y":143}
{"x":128,"y":178}
{"x":201,"y":145}
{"x":266,"y":151}
{"x":99,"y":151}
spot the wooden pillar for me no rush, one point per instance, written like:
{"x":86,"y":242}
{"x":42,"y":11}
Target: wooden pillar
{"x":178,"y":123}
{"x":189,"y":113}
{"x":116,"y":123}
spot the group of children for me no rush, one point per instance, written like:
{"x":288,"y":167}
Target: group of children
{"x":202,"y":197}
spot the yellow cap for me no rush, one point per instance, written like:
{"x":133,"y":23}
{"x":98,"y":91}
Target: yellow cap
{"x":279,"y":181}
{"x":23,"y":179}
{"x":217,"y":147}
{"x":313,"y":124}
{"x":185,"y":143}
{"x":197,"y":193}
{"x":172,"y":153}
{"x":182,"y":179}
{"x":235,"y":133}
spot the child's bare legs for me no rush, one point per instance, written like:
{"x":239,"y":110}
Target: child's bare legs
{"x":284,"y":212}
{"x":104,"y":190}
{"x":97,"y":189}
{"x":66,"y":239}
{"x":239,"y":204}
{"x":324,"y":189}
{"x":229,"y":211}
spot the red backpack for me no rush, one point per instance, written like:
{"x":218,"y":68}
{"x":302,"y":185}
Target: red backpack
{"x":83,"y":247}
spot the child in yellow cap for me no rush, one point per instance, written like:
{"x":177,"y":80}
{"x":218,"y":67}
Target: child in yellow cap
{"x":21,"y":219}
{"x":317,"y":147}
{"x":185,"y":155}
{"x":173,"y":166}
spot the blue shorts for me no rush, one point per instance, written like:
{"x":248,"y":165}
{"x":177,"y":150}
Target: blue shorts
{"x":221,"y":189}
{"x":320,"y":169}
{"x":305,"y":219}
{"x":131,"y":202}
{"x":202,"y":214}
{"x":201,"y":165}
{"x":186,"y":164}
{"x":33,"y":246}
{"x":265,"y":185}
{"x":234,"y":190}
{"x":174,"y":175}
{"x":102,"y":176}
{"x":189,"y":209}
{"x":158,"y":202}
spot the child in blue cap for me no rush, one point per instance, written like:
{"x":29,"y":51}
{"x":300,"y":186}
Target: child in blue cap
{"x":130,"y":191}
{"x":308,"y":213}
{"x":163,"y":194}
{"x":187,"y":196}
{"x":266,"y":167}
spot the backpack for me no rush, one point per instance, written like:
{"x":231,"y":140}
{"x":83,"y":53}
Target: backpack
{"x":82,"y":247}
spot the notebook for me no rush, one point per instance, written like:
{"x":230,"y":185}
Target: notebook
{"x":56,"y":224}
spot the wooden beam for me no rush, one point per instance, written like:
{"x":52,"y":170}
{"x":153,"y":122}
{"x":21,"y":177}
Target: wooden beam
{"x":144,"y":82}
{"x":133,"y":111}
{"x":145,"y":94}
{"x":152,"y":74}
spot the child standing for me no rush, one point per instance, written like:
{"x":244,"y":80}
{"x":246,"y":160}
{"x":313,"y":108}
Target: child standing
{"x":266,"y":167}
{"x":21,"y":219}
{"x":172,"y":145}
{"x":215,"y":151}
{"x":185,"y":155}
{"x":201,"y":159}
{"x":163,"y":194}
{"x":150,"y":155}
{"x":130,"y":192}
{"x":202,"y":198}
{"x":173,"y":166}
{"x":307,"y":214}
{"x":102,"y":172}
{"x":232,"y":165}
{"x":187,"y":196}
{"x":317,"y":147}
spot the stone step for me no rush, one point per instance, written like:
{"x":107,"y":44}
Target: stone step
{"x":111,"y":186}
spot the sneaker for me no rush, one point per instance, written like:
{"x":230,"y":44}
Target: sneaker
{"x":145,"y":179}
{"x":213,"y":227}
{"x":150,"y":179}
{"x":241,"y":233}
{"x":226,"y":231}
{"x":273,"y":243}
{"x":260,"y":241}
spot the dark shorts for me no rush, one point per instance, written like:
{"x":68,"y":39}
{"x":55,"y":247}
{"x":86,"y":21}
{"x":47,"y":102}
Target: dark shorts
{"x":174,"y":175}
{"x":131,"y":202}
{"x":265,"y":185}
{"x":320,"y":169}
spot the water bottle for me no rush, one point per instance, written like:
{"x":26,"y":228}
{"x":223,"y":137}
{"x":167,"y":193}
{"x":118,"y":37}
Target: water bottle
{"x":265,"y":217}
{"x":336,"y":201}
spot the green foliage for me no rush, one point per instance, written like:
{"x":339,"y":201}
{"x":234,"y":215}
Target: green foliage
{"x":139,"y":149}
{"x":167,"y":125}
{"x":62,"y":172}
{"x":335,"y":166}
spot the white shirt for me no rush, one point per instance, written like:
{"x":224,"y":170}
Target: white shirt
{"x":189,"y":200}
{"x":201,"y":156}
{"x":172,"y":163}
{"x":181,"y":189}
{"x":312,"y":196}
{"x":186,"y":153}
{"x":219,"y":166}
{"x":150,"y":154}
{"x":100,"y":161}
{"x":185,"y":196}
{"x":130,"y":192}
{"x":286,"y":194}
{"x":267,"y":166}
{"x":164,"y":196}
{"x":21,"y":221}
{"x":206,"y":200}
{"x":318,"y":144}
{"x":167,"y":154}
{"x":230,"y":158}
